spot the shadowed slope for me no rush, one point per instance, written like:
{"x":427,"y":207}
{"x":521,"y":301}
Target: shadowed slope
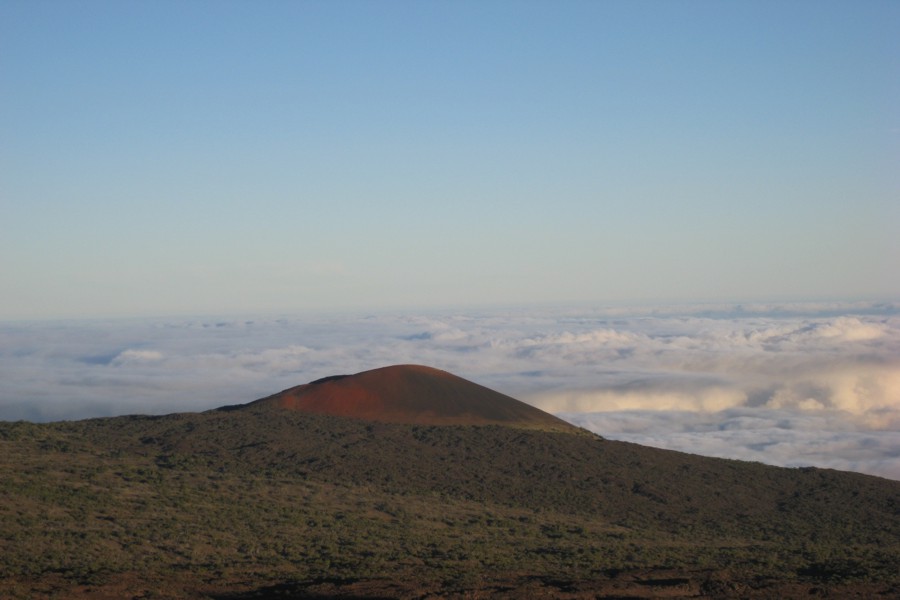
{"x":259,"y":501}
{"x":412,"y":394}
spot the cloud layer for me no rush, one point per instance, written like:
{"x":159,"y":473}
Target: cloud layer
{"x":782,"y":384}
{"x":784,"y":437}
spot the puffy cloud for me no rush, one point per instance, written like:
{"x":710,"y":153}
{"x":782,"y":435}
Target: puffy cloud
{"x":854,"y":387}
{"x":131,"y":357}
{"x":705,"y":399}
{"x":850,"y":329}
{"x":789,"y":438}
{"x":815,"y":333}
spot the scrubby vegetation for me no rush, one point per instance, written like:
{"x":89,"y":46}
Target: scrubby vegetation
{"x":256,"y":502}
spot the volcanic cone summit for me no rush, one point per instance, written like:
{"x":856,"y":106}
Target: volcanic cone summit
{"x":412,"y":394}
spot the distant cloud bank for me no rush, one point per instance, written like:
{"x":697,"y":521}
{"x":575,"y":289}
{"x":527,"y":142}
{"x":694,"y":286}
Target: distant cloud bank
{"x":793,"y":384}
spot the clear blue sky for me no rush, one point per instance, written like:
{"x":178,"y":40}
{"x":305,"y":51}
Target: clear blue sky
{"x":187,"y":157}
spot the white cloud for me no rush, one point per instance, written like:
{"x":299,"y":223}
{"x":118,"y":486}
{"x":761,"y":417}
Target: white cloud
{"x":854,"y":387}
{"x":789,"y":438}
{"x":706,"y":400}
{"x":132,"y":357}
{"x":850,"y":329}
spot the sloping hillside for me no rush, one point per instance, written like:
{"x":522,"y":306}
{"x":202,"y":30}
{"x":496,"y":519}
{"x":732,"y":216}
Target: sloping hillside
{"x":259,"y":501}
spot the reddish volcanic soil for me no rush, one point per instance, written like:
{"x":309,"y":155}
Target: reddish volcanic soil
{"x":412,"y":394}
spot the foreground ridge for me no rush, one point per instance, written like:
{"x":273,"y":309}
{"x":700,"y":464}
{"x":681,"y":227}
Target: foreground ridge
{"x":265,"y":500}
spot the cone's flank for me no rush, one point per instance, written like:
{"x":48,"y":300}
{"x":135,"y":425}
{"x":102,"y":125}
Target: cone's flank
{"x":412,"y":394}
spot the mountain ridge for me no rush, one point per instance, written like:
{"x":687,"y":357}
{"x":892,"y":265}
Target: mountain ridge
{"x":259,"y":501}
{"x":415,"y":395}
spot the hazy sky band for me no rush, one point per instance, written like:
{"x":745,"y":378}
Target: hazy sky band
{"x":200,"y":157}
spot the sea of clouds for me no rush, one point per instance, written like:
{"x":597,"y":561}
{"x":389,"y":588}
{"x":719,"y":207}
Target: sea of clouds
{"x":791,"y":385}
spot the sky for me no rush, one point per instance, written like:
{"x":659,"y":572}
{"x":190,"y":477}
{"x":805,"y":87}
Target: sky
{"x":668,"y":222}
{"x":190,"y":157}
